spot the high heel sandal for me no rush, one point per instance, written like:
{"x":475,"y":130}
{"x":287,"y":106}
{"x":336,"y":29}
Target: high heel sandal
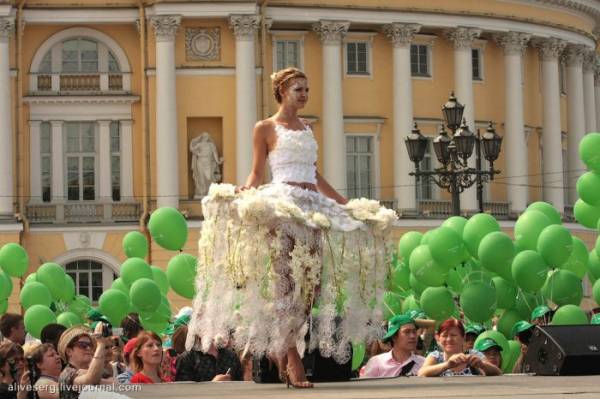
{"x":296,"y":384}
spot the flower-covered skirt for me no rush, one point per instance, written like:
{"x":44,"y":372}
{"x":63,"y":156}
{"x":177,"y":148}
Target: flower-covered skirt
{"x":278,"y":262}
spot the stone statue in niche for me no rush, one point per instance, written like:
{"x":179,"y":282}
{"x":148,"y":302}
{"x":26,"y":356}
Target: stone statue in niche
{"x":206,"y":164}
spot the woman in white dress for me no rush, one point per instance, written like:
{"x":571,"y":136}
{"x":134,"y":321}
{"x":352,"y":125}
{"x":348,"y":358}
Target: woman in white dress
{"x":280,"y":260}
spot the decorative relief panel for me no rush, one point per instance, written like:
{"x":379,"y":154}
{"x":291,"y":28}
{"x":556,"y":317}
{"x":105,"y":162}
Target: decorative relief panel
{"x":203,"y":44}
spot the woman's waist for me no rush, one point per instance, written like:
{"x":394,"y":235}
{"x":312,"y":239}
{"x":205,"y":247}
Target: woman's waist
{"x":302,"y":184}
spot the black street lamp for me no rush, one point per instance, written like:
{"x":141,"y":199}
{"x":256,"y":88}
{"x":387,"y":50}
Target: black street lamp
{"x":453,"y":153}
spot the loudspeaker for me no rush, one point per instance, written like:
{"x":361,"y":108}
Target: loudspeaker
{"x":325,"y":369}
{"x":564,"y":350}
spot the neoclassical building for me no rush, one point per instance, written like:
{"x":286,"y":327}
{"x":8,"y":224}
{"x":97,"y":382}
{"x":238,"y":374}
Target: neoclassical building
{"x":99,"y":104}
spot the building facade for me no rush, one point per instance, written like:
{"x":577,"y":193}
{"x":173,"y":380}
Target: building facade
{"x":99,"y":104}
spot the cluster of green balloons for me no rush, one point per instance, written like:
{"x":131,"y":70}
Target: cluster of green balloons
{"x":13,"y":263}
{"x":587,"y":207}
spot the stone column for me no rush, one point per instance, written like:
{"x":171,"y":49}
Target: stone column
{"x":7,"y":28}
{"x":401,"y":36}
{"x":515,"y":145}
{"x":244,"y":27}
{"x":35,"y":162}
{"x":597,"y":92}
{"x":575,"y":115}
{"x":167,"y":137}
{"x":126,"y":161}
{"x":589,"y":63}
{"x":334,"y":141}
{"x":58,"y":187}
{"x":104,"y":173}
{"x":463,"y":88}
{"x":552,"y":171}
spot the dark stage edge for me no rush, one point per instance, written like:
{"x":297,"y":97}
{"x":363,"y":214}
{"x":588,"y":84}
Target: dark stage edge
{"x":509,"y":386}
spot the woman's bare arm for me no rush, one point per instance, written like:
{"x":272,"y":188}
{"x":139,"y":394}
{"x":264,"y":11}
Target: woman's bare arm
{"x":325,"y":188}
{"x":259,"y":154}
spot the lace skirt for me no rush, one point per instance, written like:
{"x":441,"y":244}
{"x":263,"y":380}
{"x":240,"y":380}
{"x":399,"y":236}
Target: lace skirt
{"x":277,"y":262}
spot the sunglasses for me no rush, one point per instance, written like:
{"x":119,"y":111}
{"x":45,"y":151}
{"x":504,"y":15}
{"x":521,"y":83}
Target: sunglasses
{"x":83,"y":345}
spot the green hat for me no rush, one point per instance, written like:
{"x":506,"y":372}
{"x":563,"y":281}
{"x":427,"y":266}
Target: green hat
{"x":395,"y":323}
{"x":539,"y":311}
{"x":486,"y":344}
{"x":519,"y":327}
{"x":595,"y":319}
{"x":474,"y":328}
{"x":417,"y":314}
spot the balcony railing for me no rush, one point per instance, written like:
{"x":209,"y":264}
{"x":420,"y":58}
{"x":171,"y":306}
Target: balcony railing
{"x":81,"y":212}
{"x":57,"y":83}
{"x":443,"y":209}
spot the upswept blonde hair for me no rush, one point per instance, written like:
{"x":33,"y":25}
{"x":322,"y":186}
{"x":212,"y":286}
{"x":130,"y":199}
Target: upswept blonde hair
{"x":281,"y":79}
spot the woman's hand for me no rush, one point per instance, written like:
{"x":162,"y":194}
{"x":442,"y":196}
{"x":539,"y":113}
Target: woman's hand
{"x":456,"y":360}
{"x":475,"y":361}
{"x":222,"y":377}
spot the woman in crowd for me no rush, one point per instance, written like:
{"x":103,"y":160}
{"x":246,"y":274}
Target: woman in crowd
{"x":491,"y":350}
{"x":125,"y":376}
{"x":84,"y":357}
{"x":146,"y":359}
{"x":48,"y":368}
{"x":117,"y":364}
{"x":12,"y":371}
{"x":451,"y":360}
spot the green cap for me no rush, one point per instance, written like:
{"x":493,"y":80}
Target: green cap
{"x":595,"y":319}
{"x":395,"y":323}
{"x":417,"y":314}
{"x":539,"y":311}
{"x":519,"y":327}
{"x":474,"y":328}
{"x":486,"y":344}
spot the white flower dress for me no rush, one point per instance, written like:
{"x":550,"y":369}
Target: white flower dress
{"x":280,"y":261}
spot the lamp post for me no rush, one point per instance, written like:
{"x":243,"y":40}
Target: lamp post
{"x":454,"y":152}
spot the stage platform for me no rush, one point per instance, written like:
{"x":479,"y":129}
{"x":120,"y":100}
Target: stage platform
{"x":510,"y":386}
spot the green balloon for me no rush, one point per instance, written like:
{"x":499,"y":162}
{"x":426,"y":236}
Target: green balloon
{"x":455,"y":279}
{"x":597,"y":246}
{"x":358,"y":354}
{"x":52,"y":276}
{"x":437,"y":302}
{"x":589,"y":151}
{"x":114,"y":304}
{"x":446,"y":246}
{"x":14,"y":259}
{"x":529,"y":270}
{"x":594,"y":265}
{"x":586,"y":214}
{"x":579,"y":260}
{"x":154,"y":322}
{"x":507,"y":321}
{"x":596,"y":291}
{"x":496,"y":253}
{"x":120,"y":285}
{"x":145,"y":295}
{"x":514,"y":353}
{"x":36,"y":318}
{"x":506,"y":293}
{"x":555,"y":244}
{"x":426,"y":237}
{"x":133,"y":269}
{"x":68,"y":319}
{"x":31,"y":277}
{"x":168,"y":228}
{"x":35,"y":294}
{"x":457,"y":223}
{"x":547,"y":209}
{"x":164,"y":308}
{"x":476,"y":229}
{"x":478,"y":301}
{"x":563,"y":287}
{"x":79,"y":307}
{"x":528,"y":228}
{"x":425,"y":269}
{"x":416,"y":286}
{"x":588,"y":188}
{"x":181,"y":273}
{"x":408,"y":242}
{"x":526,"y":302}
{"x":569,"y":315}
{"x":392,"y":305}
{"x":69,"y":290}
{"x":499,"y":338}
{"x":3,"y":306}
{"x":6,"y":285}
{"x":160,"y":278}
{"x":410,"y":303}
{"x":135,"y":245}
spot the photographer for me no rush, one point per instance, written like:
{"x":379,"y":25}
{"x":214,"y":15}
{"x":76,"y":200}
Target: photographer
{"x":47,"y":367}
{"x":12,"y":372}
{"x":84,"y":357}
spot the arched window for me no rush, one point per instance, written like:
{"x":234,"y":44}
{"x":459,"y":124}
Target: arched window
{"x":79,"y":55}
{"x":91,"y":277}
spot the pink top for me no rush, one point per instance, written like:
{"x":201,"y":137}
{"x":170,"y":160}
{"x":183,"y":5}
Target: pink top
{"x":384,"y":365}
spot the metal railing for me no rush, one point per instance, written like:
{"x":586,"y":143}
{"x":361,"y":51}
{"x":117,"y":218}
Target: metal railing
{"x":81,"y":212}
{"x":435,"y":209}
{"x":52,"y":83}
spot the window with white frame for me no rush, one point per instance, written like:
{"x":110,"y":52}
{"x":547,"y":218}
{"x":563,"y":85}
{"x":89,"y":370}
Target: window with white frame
{"x":562,"y":77}
{"x":90,"y":277}
{"x":80,"y":55}
{"x":80,"y":156}
{"x":419,"y":60}
{"x":565,"y":169}
{"x":115,"y":160}
{"x":287,"y":53}
{"x":46,"y":161}
{"x":477,"y":61}
{"x":425,"y":188}
{"x":359,"y":162}
{"x":357,"y":58}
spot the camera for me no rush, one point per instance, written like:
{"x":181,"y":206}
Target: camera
{"x":106,"y":330}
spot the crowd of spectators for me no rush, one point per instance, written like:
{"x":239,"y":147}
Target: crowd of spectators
{"x":66,"y":361}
